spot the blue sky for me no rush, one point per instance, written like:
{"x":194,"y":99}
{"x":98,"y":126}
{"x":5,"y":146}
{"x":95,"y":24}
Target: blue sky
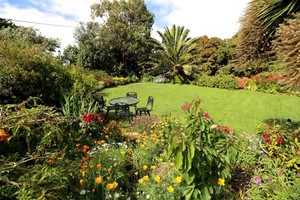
{"x":214,"y":18}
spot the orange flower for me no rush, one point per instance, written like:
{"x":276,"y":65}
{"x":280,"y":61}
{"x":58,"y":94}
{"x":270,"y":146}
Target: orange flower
{"x":3,"y":135}
{"x":84,"y":167}
{"x":98,"y":166}
{"x":98,"y":180}
{"x":112,"y":186}
{"x":81,"y":181}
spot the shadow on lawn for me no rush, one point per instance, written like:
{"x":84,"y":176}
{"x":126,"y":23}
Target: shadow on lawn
{"x":287,"y":122}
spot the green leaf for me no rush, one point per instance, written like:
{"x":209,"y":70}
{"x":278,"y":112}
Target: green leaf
{"x":178,"y":160}
{"x":189,"y":177}
{"x":188,"y":192}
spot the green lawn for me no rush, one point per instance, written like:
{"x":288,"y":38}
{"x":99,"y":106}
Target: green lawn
{"x":240,"y":110}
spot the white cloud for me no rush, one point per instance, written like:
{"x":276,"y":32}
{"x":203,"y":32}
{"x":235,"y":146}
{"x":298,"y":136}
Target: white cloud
{"x":214,"y":18}
{"x":68,"y":13}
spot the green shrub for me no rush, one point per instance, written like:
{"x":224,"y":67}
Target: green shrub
{"x":218,"y":81}
{"x":26,"y":70}
{"x":147,"y":78}
{"x":84,"y":81}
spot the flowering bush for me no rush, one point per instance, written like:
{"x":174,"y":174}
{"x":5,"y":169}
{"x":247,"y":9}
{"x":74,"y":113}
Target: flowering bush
{"x":161,"y":181}
{"x":203,"y":153}
{"x":143,"y":123}
{"x":281,"y":142}
{"x":104,"y":175}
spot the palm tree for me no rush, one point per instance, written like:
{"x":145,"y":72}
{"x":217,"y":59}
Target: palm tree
{"x":281,"y":20}
{"x":273,"y":14}
{"x":175,"y":54}
{"x":287,"y":50}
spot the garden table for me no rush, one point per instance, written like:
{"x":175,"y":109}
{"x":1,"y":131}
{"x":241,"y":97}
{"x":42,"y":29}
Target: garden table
{"x":122,"y":104}
{"x":124,"y":101}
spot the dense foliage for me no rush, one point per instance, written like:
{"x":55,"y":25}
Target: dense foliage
{"x":26,"y":69}
{"x":118,"y":44}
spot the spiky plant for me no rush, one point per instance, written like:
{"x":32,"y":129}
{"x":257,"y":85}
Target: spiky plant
{"x":174,"y":51}
{"x":273,"y":13}
{"x":287,"y":48}
{"x":251,"y":33}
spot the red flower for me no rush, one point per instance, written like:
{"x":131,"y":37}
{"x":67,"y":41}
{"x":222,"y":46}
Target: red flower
{"x":206,"y":116}
{"x":269,"y":142}
{"x":100,"y":117}
{"x":186,"y":107}
{"x":89,"y":117}
{"x":3,"y":135}
{"x":265,"y":136}
{"x":225,"y":128}
{"x":279,"y":140}
{"x":294,"y":134}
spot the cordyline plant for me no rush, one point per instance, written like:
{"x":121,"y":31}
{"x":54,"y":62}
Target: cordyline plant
{"x":203,"y":152}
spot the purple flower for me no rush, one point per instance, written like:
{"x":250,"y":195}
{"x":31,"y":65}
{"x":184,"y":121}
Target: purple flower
{"x":257,"y":180}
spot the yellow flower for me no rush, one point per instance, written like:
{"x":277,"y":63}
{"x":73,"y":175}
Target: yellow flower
{"x":145,"y":167}
{"x":221,"y":181}
{"x":153,"y":167}
{"x":98,"y":180}
{"x":172,"y":164}
{"x":136,"y":173}
{"x":177,"y":180}
{"x":170,"y":189}
{"x":141,"y":181}
{"x":109,"y":170}
{"x":158,"y":179}
{"x":146,"y":178}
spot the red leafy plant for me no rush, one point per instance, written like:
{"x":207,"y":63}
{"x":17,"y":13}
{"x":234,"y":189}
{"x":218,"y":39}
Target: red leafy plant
{"x":281,"y":142}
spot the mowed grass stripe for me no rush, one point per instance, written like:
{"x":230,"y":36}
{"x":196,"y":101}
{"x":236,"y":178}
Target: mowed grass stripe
{"x":239,"y":109}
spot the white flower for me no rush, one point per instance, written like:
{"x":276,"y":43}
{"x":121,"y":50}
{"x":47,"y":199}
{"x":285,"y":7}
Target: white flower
{"x":117,"y":195}
{"x":82,"y":192}
{"x":148,"y":196}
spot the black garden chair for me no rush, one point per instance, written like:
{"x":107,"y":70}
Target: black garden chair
{"x":148,"y":108}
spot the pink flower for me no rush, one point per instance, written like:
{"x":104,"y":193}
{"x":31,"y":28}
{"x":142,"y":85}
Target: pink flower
{"x":186,"y":107}
{"x":257,"y":180}
{"x":216,"y":127}
{"x":269,"y":142}
{"x":225,"y":128}
{"x":89,"y":117}
{"x":280,"y":140}
{"x":206,"y":116}
{"x":294,"y":134}
{"x":265,"y":136}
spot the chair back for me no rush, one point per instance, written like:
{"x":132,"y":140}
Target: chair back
{"x":150,"y":103}
{"x":131,"y":94}
{"x":100,"y":100}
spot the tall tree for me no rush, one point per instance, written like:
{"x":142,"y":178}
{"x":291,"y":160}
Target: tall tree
{"x":122,"y":36}
{"x":271,"y":15}
{"x":4,"y":23}
{"x":287,"y":50}
{"x":176,"y":54}
{"x":215,"y":53}
{"x":33,"y":36}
